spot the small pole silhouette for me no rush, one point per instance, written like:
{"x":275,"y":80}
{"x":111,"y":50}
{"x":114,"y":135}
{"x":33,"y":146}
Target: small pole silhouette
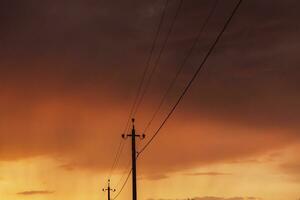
{"x":133,"y":156}
{"x":108,"y":189}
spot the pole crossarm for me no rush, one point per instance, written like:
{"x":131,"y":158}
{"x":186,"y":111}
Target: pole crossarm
{"x":133,"y":135}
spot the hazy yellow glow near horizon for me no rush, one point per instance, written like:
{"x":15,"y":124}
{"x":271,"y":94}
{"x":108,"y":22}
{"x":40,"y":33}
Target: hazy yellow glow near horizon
{"x":242,"y":179}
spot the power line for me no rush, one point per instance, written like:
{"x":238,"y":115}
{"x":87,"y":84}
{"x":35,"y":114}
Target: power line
{"x":128,"y":175}
{"x":120,"y":147}
{"x":158,"y":58}
{"x":116,"y":158}
{"x":123,"y":173}
{"x":186,"y":89}
{"x":194,"y":76}
{"x":196,"y":40}
{"x":148,"y":61}
{"x":127,"y":166}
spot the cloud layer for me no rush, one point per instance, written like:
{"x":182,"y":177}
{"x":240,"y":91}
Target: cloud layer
{"x":35,"y":192}
{"x":69,"y":73}
{"x":208,"y":174}
{"x":218,"y":198}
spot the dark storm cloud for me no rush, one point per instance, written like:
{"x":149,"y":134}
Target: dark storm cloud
{"x":253,"y":77}
{"x":69,"y":68}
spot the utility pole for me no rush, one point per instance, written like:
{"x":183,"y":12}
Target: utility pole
{"x":133,"y":157}
{"x":108,"y":189}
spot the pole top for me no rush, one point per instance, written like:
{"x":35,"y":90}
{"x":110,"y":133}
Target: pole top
{"x":133,"y":122}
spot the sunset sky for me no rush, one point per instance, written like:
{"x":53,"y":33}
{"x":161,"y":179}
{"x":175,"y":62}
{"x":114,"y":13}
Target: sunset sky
{"x":69,"y":72}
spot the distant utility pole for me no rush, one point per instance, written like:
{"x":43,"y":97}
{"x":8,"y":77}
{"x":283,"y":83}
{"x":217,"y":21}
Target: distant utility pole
{"x":133,"y":156}
{"x":108,"y":189}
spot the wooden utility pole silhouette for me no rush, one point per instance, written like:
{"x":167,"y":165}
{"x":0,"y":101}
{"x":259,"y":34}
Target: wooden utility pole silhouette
{"x":108,"y":189}
{"x":133,"y":157}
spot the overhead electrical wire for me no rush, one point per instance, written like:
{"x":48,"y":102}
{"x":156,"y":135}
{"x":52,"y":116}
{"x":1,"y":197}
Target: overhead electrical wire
{"x":184,"y":91}
{"x":119,"y":192}
{"x":176,"y":76}
{"x":193,"y":77}
{"x":148,"y":62}
{"x":115,"y":160}
{"x":121,"y":145}
{"x":193,"y":46}
{"x":147,"y":84}
{"x":139,"y":98}
{"x":123,"y":174}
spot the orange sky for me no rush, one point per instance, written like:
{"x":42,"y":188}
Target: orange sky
{"x":69,"y":72}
